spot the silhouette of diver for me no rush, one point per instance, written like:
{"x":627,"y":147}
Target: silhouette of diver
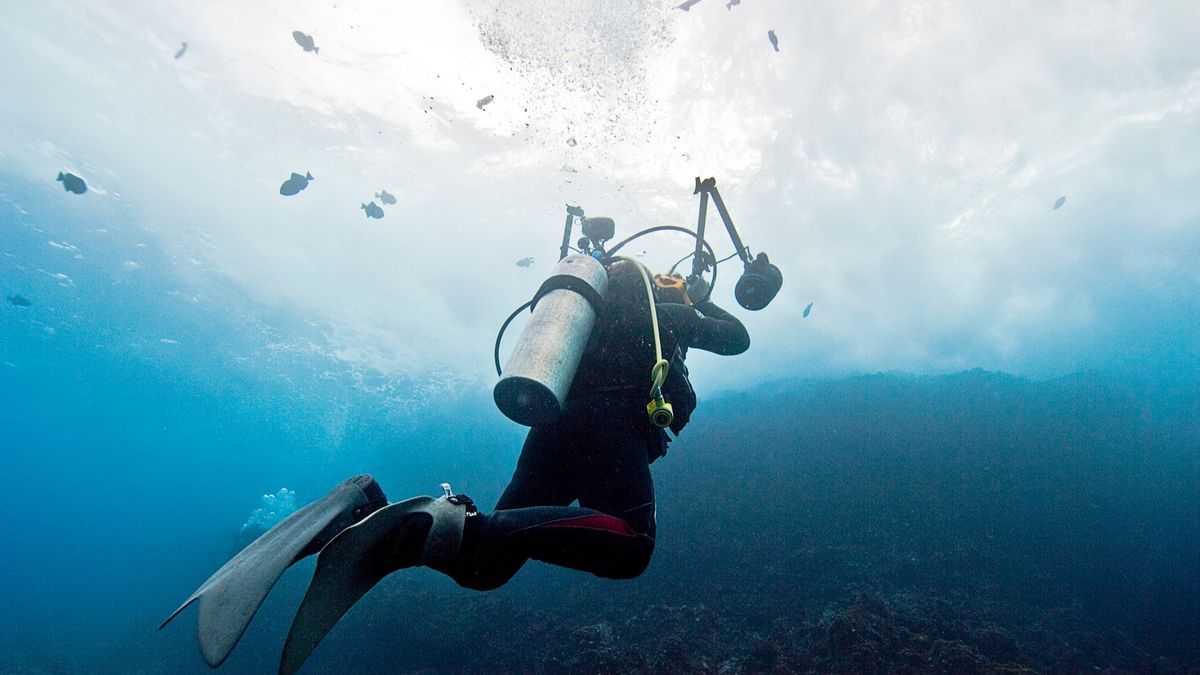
{"x":598,"y":451}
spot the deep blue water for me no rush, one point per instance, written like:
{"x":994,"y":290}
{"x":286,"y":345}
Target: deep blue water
{"x":132,"y":462}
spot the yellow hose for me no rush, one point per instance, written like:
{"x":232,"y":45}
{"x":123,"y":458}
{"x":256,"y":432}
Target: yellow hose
{"x":658,"y":374}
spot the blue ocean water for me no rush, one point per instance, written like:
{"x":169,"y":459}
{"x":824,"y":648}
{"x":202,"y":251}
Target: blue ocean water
{"x":135,"y":430}
{"x":138,"y":442}
{"x":980,"y":452}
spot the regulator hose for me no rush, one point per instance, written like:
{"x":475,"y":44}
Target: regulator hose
{"x":500,"y":335}
{"x":673,"y":228}
{"x":660,"y":412}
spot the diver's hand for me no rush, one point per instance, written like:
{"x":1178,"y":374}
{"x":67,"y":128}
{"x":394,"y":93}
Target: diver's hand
{"x":697,"y":289}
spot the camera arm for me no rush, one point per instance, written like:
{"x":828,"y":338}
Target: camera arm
{"x":760,"y":280}
{"x":572,"y":212}
{"x":704,"y":188}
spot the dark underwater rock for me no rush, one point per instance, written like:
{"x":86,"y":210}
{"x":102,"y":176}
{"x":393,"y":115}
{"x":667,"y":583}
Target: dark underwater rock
{"x":995,"y":643}
{"x":976,"y":523}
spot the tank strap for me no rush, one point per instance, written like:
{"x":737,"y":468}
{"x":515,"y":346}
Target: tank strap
{"x":568,"y":283}
{"x":620,"y":387}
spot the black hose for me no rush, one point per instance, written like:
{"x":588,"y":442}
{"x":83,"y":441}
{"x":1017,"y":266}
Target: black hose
{"x":731,"y":256}
{"x":504,"y":327}
{"x":674,"y":228}
{"x":661,"y":228}
{"x":679,"y":262}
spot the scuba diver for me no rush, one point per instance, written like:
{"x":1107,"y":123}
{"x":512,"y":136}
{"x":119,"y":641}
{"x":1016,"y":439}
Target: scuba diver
{"x":600,"y":330}
{"x":599,"y":450}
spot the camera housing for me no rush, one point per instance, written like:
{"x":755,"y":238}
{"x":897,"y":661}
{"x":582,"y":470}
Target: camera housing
{"x":599,"y":229}
{"x":759,"y":284}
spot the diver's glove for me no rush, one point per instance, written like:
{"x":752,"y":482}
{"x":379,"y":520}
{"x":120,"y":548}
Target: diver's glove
{"x":418,"y":531}
{"x":231,"y":596}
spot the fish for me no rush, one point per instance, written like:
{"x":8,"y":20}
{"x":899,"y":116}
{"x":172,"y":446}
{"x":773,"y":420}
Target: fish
{"x":18,"y":300}
{"x":373,"y":210}
{"x":295,"y":184}
{"x":525,"y":262}
{"x":72,"y":183}
{"x":732,"y":3}
{"x":385,"y":197}
{"x":1059,"y":202}
{"x":774,"y":40}
{"x":484,"y":101}
{"x":687,"y":4}
{"x":182,"y":50}
{"x":807,"y":311}
{"x":305,"y":41}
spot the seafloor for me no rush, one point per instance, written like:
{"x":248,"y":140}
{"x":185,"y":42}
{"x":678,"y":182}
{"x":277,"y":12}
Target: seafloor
{"x":975,"y":523}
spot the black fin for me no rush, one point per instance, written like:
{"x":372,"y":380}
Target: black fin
{"x":421,"y":530}
{"x":232,"y":595}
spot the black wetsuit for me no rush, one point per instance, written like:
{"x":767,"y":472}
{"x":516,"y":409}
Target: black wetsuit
{"x":599,"y":453}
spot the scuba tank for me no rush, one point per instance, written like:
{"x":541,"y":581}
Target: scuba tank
{"x":535,"y":382}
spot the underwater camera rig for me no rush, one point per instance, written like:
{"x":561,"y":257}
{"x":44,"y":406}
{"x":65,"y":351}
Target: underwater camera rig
{"x":534,"y":385}
{"x":756,"y":288}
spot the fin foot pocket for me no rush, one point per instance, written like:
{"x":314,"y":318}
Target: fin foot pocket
{"x":418,"y":531}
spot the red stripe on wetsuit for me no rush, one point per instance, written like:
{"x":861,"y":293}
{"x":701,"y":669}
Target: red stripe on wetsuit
{"x":602,"y":522}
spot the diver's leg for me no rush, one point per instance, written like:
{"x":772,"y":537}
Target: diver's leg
{"x":544,"y":474}
{"x":544,"y":477}
{"x":619,"y":483}
{"x":611,"y":533}
{"x":449,"y":535}
{"x":496,"y":545}
{"x":484,"y":551}
{"x":619,"y":478}
{"x":434,"y":533}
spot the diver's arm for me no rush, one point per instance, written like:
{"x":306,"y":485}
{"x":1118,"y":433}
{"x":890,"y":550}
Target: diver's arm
{"x":720,"y":332}
{"x":708,"y":327}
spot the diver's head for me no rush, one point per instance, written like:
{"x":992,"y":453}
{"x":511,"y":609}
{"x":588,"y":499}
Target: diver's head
{"x":625,"y":280}
{"x":625,"y":284}
{"x":671,"y":288}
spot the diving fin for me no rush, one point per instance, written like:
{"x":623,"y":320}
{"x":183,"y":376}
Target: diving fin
{"x":417,"y":531}
{"x":231,"y":596}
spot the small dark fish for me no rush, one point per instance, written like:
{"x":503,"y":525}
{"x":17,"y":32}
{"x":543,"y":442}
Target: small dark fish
{"x":687,"y":4}
{"x":733,"y":3}
{"x":18,"y":300}
{"x":72,"y":183}
{"x":774,"y":40}
{"x":182,"y":50}
{"x":807,"y":311}
{"x":525,"y":262}
{"x":1059,"y":202}
{"x":295,"y":184}
{"x":385,"y":197}
{"x":571,"y":142}
{"x":373,"y":210}
{"x":484,"y":101}
{"x":305,"y":41}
